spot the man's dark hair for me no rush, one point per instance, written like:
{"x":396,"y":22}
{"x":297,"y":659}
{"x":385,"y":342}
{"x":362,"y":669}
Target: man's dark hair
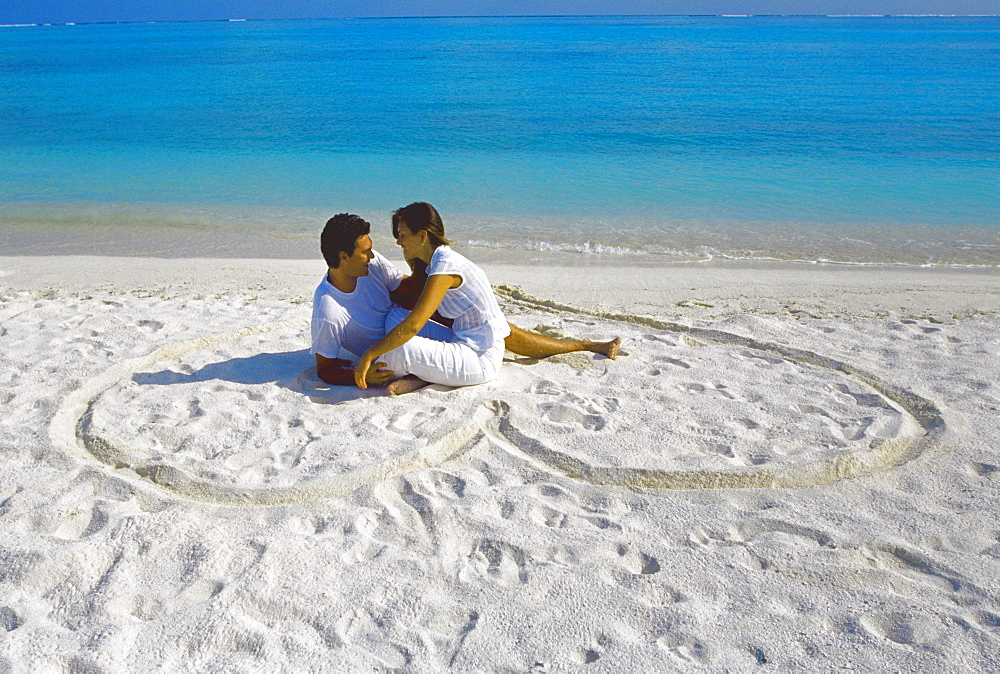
{"x":341,"y":236}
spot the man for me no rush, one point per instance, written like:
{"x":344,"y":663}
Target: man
{"x":353,"y":299}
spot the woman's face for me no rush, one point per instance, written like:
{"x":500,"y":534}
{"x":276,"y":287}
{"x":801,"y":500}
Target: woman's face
{"x":411,"y":243}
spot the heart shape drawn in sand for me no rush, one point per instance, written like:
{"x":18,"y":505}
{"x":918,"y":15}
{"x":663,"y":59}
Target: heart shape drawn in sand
{"x":488,"y":417}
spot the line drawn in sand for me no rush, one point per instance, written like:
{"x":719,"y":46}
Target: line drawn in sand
{"x":72,"y":430}
{"x":927,"y":416}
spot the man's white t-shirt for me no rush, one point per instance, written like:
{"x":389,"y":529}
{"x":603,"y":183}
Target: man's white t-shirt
{"x":353,"y":321}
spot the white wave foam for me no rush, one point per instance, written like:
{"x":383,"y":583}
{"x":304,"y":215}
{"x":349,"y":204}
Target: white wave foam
{"x":708,"y":254}
{"x":586,"y":248}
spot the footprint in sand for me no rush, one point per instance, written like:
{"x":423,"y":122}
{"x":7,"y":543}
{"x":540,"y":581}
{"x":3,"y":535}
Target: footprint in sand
{"x":547,"y":387}
{"x":496,"y":561}
{"x":637,"y":562}
{"x":710,"y":389}
{"x":572,"y":415}
{"x":586,"y":656}
{"x":676,"y":362}
{"x":863,"y":398}
{"x":549,"y":517}
{"x":918,"y":568}
{"x":441,"y":484}
{"x":149,"y":326}
{"x":81,"y":523}
{"x":684,"y":649}
{"x":776,"y":532}
{"x":903,"y":629}
{"x":792,"y":534}
{"x":987,"y":621}
{"x":9,"y":621}
{"x":663,"y":365}
{"x":985,"y":469}
{"x":556,"y":507}
{"x":413,"y":419}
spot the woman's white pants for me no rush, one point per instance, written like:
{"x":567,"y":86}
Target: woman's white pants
{"x":435,"y":357}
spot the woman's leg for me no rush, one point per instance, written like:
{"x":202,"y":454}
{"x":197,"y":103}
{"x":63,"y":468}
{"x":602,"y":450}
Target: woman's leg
{"x":521,"y":342}
{"x":534,"y":345}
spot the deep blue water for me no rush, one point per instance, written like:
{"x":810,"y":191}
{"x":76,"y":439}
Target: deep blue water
{"x":845,"y":139}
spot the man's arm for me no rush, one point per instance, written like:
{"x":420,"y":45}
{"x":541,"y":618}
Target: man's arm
{"x":407,"y":292}
{"x":340,"y":372}
{"x":336,"y":371}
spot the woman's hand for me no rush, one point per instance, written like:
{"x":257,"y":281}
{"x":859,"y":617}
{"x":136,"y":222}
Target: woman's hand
{"x":365,"y":372}
{"x":361,"y":371}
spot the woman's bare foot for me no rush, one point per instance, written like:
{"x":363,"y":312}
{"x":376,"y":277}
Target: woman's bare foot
{"x":407,"y":384}
{"x":609,"y":349}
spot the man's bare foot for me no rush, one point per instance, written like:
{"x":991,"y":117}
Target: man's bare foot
{"x":407,"y":384}
{"x":609,"y":349}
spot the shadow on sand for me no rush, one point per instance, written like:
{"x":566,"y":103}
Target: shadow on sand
{"x":292,"y":370}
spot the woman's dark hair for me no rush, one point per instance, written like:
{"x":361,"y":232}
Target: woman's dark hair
{"x":341,"y":235}
{"x":421,"y":216}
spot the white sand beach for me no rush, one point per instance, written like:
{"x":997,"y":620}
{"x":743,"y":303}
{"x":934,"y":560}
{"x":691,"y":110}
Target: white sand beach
{"x":795,"y":467}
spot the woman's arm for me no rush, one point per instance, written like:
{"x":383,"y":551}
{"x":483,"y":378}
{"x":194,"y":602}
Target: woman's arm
{"x":430,"y":299}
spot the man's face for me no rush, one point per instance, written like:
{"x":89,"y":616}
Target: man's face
{"x":357,"y":265}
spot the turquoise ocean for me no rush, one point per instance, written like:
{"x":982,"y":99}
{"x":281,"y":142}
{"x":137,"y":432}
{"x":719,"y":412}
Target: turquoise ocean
{"x":675,"y":139}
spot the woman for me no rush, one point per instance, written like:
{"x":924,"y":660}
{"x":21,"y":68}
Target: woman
{"x":458,"y":290}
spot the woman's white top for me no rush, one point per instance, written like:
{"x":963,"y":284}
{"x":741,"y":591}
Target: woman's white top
{"x":479,"y":323}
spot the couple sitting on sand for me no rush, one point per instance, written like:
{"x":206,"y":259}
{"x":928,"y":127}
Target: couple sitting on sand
{"x":453,"y":332}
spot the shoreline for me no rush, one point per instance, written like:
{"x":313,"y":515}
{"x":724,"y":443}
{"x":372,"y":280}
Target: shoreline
{"x":703,"y":290}
{"x":272,"y":232}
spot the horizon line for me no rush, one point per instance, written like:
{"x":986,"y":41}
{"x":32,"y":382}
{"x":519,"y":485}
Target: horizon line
{"x":504,"y":16}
